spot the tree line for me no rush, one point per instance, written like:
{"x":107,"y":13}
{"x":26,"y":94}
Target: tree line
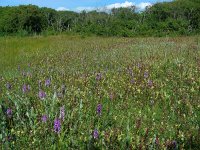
{"x":179,"y":17}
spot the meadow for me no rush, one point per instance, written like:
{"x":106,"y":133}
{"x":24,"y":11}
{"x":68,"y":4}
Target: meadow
{"x":75,"y":92}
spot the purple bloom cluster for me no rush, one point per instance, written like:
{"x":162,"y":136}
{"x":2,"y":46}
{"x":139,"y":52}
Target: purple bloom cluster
{"x":95,"y":134}
{"x":44,"y":118}
{"x":57,"y":125}
{"x":42,"y":94}
{"x":139,"y":65}
{"x":146,"y":74}
{"x":99,"y":109}
{"x":26,"y":88}
{"x":174,"y":144}
{"x":47,"y":82}
{"x":9,"y":112}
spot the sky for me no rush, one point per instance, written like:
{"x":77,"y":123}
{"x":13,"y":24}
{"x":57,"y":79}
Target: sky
{"x":79,"y":5}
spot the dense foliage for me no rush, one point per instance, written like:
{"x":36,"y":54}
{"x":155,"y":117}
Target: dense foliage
{"x":180,"y":17}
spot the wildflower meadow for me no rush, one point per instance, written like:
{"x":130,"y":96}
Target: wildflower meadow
{"x":76,"y":92}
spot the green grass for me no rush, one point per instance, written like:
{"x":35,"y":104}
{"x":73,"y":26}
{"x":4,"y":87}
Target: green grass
{"x":152,"y":112}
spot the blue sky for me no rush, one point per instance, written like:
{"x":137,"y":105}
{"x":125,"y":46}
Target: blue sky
{"x":77,"y":5}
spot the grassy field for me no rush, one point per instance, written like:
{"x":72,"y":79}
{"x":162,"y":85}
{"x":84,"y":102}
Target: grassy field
{"x":72,"y":92}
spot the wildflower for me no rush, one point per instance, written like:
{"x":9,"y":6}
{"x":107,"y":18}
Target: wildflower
{"x":42,"y":94}
{"x":132,"y":81}
{"x":174,"y":144}
{"x":47,"y":82}
{"x":44,"y":118}
{"x":157,"y":141}
{"x":99,"y":76}
{"x":8,"y":85}
{"x":99,"y":109}
{"x":139,"y":65}
{"x":62,"y":113}
{"x":150,"y":83}
{"x":130,"y":72}
{"x":9,"y":112}
{"x":146,"y":75}
{"x":111,"y":96}
{"x":24,"y":88}
{"x":95,"y":134}
{"x":57,"y":125}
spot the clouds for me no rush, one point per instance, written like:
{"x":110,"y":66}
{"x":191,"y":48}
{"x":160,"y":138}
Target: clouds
{"x":107,"y":7}
{"x":141,"y":6}
{"x":62,"y":9}
{"x":126,"y":4}
{"x":119,"y":5}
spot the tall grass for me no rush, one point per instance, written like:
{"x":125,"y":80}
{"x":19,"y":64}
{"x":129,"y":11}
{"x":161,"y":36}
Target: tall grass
{"x":105,"y":93}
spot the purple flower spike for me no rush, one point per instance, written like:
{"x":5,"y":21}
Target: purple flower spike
{"x":57,"y":125}
{"x":130,"y":72}
{"x":99,"y":109}
{"x":24,"y":88}
{"x":47,"y":82}
{"x":42,"y":94}
{"x":174,"y":144}
{"x":44,"y":118}
{"x":95,"y":134}
{"x":150,"y":83}
{"x":9,"y":112}
{"x":99,"y":76}
{"x":111,"y":96}
{"x":146,"y":75}
{"x":139,"y":65}
{"x":62,"y":113}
